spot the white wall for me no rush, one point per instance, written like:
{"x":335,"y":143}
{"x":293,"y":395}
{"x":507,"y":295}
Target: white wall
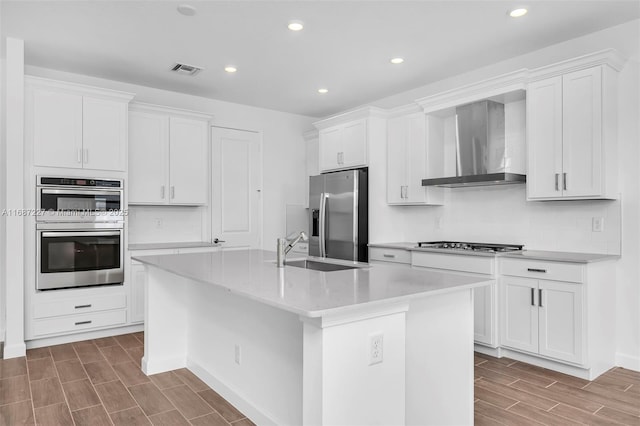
{"x":501,"y":214}
{"x":284,"y":169}
{"x":3,"y":234}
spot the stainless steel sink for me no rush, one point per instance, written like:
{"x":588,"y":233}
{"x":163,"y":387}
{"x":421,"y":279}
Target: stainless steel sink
{"x":318,"y":266}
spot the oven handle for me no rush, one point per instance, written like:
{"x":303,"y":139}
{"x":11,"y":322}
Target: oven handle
{"x":83,"y":192}
{"x":81,"y":234}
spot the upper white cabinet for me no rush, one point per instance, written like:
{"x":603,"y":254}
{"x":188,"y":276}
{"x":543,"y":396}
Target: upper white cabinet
{"x":571,"y":135}
{"x":312,"y":148}
{"x":76,"y":126}
{"x":344,"y":139}
{"x":412,"y":140}
{"x":168,"y":156}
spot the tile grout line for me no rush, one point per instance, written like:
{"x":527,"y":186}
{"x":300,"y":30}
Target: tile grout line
{"x":512,"y":405}
{"x":549,"y":410}
{"x":64,"y":395}
{"x":126,"y":388}
{"x":33,"y":407}
{"x":93,"y":386}
{"x":548,"y":386}
{"x":628,"y":387}
{"x":596,"y":412}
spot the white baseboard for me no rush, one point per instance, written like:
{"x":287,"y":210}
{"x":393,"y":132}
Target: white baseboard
{"x":629,"y":362}
{"x":235,"y":398}
{"x":14,"y":351}
{"x":78,"y":337}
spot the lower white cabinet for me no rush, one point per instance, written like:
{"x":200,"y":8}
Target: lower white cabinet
{"x":560,"y":311}
{"x":394,"y":255}
{"x":543,"y":317}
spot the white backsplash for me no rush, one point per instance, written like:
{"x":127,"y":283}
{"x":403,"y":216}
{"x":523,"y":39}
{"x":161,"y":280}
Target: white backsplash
{"x":501,"y":214}
{"x":167,"y":224}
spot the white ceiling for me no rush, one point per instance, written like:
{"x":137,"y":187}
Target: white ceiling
{"x":345,"y":46}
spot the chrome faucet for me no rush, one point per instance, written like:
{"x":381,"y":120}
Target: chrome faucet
{"x":284,"y":246}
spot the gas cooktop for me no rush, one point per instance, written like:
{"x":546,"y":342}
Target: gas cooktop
{"x":483,"y":247}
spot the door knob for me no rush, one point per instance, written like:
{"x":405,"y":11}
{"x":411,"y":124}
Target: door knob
{"x":216,"y":241}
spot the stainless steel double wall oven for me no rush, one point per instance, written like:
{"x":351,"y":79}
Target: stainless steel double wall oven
{"x":79,"y":232}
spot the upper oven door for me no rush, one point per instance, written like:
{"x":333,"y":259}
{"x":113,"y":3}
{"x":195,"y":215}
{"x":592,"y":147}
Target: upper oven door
{"x":79,"y":205}
{"x":73,"y":258}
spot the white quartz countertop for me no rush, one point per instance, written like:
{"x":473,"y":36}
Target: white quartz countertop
{"x":555,"y":256}
{"x":174,"y":245}
{"x":253,"y":274}
{"x":560,"y":256}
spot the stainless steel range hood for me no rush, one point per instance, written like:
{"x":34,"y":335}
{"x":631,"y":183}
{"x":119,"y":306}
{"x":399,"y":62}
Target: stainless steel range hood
{"x":482,"y":154}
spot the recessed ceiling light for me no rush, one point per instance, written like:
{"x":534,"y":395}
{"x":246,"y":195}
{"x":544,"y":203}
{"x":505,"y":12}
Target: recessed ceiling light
{"x":396,"y":61}
{"x":295,"y":25}
{"x":323,"y":91}
{"x":186,"y":10}
{"x":230,"y":69}
{"x":516,"y":13}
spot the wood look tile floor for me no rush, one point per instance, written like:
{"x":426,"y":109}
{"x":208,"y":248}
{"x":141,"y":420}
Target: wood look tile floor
{"x":99,"y":382}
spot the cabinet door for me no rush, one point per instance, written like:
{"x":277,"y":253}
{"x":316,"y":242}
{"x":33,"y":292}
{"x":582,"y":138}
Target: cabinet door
{"x":396,"y":159}
{"x":138,"y":278}
{"x":330,"y":148}
{"x":354,"y":144}
{"x":483,"y":310}
{"x":561,"y":320}
{"x":582,"y":133}
{"x":313,"y":146}
{"x":188,"y":161}
{"x":56,"y":123}
{"x":519,"y":313}
{"x":148,"y":158}
{"x":104,"y":134}
{"x":544,"y":138}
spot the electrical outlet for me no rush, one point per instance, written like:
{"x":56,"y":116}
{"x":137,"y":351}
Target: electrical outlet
{"x":158,"y":222}
{"x":597,"y":224}
{"x":375,"y":348}
{"x":238,"y":354}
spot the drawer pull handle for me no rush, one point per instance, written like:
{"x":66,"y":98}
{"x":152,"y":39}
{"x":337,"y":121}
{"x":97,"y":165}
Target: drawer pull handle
{"x":82,"y":306}
{"x":83,"y":322}
{"x":544,"y":271}
{"x":533,"y":302}
{"x":392,"y":256}
{"x":540,"y":298}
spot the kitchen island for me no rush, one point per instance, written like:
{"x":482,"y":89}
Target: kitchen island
{"x":288,"y":346}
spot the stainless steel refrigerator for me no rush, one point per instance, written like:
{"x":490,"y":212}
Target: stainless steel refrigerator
{"x":338,"y":215}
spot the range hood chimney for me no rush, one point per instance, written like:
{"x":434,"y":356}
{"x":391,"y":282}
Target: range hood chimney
{"x":482,"y":157}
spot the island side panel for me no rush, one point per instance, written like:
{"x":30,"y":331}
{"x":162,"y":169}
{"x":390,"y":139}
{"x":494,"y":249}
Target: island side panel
{"x":265,"y":380}
{"x":341,"y":385}
{"x":165,"y":322}
{"x":439,"y":369}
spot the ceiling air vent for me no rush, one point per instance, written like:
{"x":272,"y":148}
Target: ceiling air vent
{"x":186,"y":69}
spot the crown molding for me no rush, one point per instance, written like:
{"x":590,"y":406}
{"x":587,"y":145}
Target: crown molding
{"x":345,"y":117}
{"x":609,"y":57}
{"x":79,"y":89}
{"x":145,"y":107}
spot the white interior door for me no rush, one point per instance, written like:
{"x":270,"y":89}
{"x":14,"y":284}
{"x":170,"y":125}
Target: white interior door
{"x":236,"y":185}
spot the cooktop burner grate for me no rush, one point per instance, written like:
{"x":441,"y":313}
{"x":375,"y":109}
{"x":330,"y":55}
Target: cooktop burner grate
{"x":459,"y":245}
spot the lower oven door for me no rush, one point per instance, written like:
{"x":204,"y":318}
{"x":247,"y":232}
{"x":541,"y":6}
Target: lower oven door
{"x":77,"y":258}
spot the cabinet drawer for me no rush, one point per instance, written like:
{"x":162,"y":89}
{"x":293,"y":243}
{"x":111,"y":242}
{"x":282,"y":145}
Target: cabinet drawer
{"x":82,"y":322}
{"x":79,"y":305}
{"x":389,"y":255}
{"x":545,"y":270}
{"x":458,"y":263}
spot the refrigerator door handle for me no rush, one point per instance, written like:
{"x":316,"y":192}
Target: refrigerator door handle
{"x":323,"y":224}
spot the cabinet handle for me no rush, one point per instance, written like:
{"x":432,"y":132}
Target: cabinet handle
{"x":564,"y":181}
{"x":557,"y":178}
{"x":86,"y":155}
{"x":392,"y":256}
{"x":533,"y":296}
{"x":216,"y":241}
{"x":173,"y":192}
{"x":82,"y":306}
{"x":342,"y":158}
{"x":338,"y":158}
{"x":83,"y":322}
{"x":79,"y":155}
{"x":162,"y":192}
{"x":540,"y":298}
{"x":544,"y":271}
{"x":406,"y":191}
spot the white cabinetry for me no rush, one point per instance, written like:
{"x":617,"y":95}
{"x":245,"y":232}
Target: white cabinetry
{"x":571,"y":135}
{"x":75,"y":126}
{"x":344,"y":139}
{"x":313,"y":145}
{"x":409,"y":159}
{"x":168,"y":156}
{"x":485,"y":321}
{"x":393,"y":255}
{"x":559,"y":311}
